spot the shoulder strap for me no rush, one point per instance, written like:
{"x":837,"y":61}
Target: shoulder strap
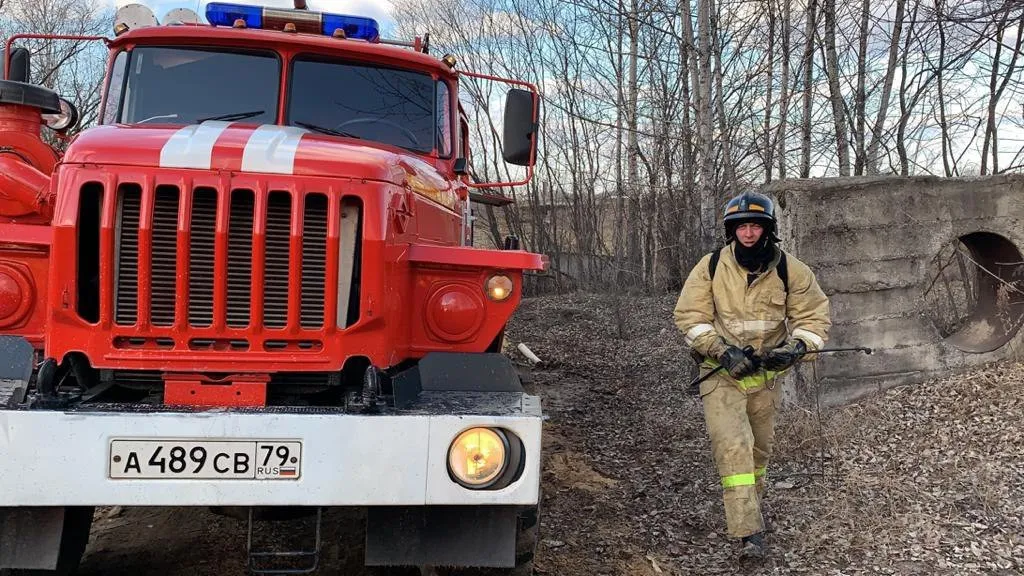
{"x":713,"y":264}
{"x":783,"y":269}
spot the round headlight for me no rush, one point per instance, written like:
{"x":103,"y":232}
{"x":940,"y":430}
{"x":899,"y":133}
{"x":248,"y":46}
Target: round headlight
{"x":499,"y":287}
{"x":455,"y":313}
{"x":17,"y":294}
{"x":478,"y":457}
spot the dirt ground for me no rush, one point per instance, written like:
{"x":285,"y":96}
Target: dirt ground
{"x":922,"y":480}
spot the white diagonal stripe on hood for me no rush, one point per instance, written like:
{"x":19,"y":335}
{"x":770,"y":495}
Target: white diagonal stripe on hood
{"x":192,"y":146}
{"x":272,"y":149}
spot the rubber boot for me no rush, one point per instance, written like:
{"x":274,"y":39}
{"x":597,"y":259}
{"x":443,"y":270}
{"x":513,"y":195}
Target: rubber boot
{"x":753,"y":547}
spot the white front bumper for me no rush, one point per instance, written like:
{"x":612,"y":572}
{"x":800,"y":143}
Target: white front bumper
{"x":50,"y":458}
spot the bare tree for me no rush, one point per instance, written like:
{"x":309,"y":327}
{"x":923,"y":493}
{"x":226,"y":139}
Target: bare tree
{"x":861,"y":96}
{"x":653,"y":110}
{"x":835,"y":93}
{"x":769,"y":148}
{"x":808,"y":65}
{"x":724,"y":131}
{"x":944,"y":133}
{"x":705,"y":110}
{"x":890,"y":72}
{"x":72,"y":68}
{"x":632,"y":146}
{"x":619,"y":233}
{"x":997,"y":85}
{"x":781,"y":135}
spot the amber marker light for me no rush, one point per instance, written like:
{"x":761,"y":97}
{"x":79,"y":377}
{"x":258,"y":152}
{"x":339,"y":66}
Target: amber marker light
{"x":499,"y":287}
{"x":478,"y":457}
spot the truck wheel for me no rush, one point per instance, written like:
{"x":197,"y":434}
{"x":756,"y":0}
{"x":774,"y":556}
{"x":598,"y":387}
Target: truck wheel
{"x":74,"y":538}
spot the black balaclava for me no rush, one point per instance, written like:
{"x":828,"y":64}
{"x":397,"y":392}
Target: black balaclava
{"x":756,"y":258}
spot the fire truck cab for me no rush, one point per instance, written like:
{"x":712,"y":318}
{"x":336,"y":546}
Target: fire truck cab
{"x":251,"y":286}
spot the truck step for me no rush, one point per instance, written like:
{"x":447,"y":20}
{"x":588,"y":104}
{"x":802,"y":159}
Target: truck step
{"x":267,"y":561}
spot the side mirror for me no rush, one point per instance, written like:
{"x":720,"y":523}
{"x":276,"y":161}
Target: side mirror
{"x":65,"y":120}
{"x":19,"y":69}
{"x":520,"y":141}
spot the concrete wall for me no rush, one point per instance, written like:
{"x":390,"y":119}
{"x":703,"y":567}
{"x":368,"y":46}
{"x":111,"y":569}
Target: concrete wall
{"x":873,"y":242}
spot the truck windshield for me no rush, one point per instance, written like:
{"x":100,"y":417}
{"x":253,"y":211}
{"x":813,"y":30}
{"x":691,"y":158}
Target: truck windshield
{"x":189,"y":86}
{"x":385,"y":105}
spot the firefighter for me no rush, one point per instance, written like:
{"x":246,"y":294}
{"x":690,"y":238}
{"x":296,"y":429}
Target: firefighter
{"x":748,"y":293}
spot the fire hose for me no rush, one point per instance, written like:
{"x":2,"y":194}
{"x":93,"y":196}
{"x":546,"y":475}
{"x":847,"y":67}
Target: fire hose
{"x":749,"y":351}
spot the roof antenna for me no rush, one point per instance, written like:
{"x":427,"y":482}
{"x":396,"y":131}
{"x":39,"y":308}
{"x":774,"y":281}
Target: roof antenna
{"x":300,"y":5}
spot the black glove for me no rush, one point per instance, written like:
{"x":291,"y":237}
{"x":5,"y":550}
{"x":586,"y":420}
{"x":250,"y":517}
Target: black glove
{"x":736,"y":362}
{"x":785,"y":356}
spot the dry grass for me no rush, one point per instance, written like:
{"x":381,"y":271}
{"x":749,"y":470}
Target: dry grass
{"x":929,"y":474}
{"x":918,"y":480}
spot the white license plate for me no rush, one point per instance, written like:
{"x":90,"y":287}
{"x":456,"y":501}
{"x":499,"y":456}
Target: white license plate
{"x":205,"y":459}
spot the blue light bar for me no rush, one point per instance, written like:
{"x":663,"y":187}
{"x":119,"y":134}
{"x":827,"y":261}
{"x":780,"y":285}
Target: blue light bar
{"x":222,"y":14}
{"x":356,"y":27}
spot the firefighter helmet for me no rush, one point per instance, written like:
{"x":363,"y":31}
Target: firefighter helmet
{"x":749,"y":207}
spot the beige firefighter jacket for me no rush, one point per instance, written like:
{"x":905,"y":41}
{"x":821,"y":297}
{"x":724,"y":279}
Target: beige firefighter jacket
{"x":761,"y":315}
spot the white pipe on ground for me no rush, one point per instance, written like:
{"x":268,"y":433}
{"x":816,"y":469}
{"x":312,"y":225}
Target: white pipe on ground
{"x":525,"y":351}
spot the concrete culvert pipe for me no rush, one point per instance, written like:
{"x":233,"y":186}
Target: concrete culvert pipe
{"x":927,"y":271}
{"x":990,"y":270}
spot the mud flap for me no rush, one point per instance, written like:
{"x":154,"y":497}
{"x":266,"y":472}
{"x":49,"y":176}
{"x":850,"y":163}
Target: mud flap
{"x":31,"y":538}
{"x":461,"y":536}
{"x":17,"y":358}
{"x":455,"y":372}
{"x":44,"y":538}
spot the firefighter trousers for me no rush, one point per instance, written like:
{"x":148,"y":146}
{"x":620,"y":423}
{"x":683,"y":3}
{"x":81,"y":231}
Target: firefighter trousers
{"x":741,"y":424}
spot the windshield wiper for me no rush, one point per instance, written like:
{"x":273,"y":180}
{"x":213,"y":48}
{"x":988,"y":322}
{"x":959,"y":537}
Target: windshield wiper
{"x":323,"y":130}
{"x":232,"y":116}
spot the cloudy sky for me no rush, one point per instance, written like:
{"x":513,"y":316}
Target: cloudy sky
{"x":377,"y":9}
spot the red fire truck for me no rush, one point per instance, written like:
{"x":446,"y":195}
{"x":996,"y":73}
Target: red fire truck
{"x":252,"y":287}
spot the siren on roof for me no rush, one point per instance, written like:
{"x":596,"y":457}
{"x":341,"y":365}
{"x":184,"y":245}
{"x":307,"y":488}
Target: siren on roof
{"x":300,"y":19}
{"x":133,"y":16}
{"x":182,"y":16}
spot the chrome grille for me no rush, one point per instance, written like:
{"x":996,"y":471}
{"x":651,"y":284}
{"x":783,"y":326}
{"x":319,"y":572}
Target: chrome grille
{"x":277,"y":266}
{"x":201,"y":251}
{"x":314,"y":260}
{"x":129,"y":204}
{"x":164,"y":258}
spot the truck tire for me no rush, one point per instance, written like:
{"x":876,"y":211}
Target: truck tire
{"x":74,"y":538}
